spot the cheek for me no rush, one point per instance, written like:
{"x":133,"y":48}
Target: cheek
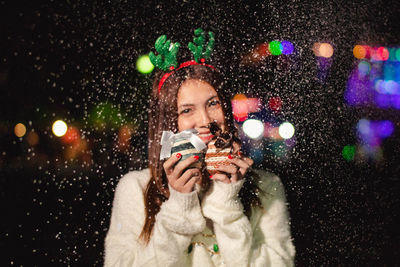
{"x":219,"y":116}
{"x":184,"y":124}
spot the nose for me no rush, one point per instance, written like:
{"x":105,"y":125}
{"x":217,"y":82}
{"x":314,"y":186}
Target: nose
{"x":204,"y":119}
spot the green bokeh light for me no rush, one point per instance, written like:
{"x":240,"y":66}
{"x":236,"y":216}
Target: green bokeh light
{"x":144,"y":65}
{"x":397,"y":55}
{"x":106,"y":114}
{"x":275,"y":47}
{"x":348,"y":152}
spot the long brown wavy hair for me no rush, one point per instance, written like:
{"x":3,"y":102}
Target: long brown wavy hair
{"x":163,"y":116}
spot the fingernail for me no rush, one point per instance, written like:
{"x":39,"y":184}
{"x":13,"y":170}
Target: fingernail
{"x":178,"y":155}
{"x":230,"y":156}
{"x":196,"y":157}
{"x":211,"y":176}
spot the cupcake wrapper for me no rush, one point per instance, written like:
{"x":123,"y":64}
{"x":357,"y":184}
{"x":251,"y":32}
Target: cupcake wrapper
{"x":216,"y":157}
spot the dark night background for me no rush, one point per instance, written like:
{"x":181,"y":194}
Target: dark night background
{"x":62,"y":59}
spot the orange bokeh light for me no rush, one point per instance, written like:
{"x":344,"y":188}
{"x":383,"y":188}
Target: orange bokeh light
{"x":263,"y":50}
{"x":240,"y":108}
{"x":359,"y":51}
{"x":323,"y":50}
{"x":71,"y":136}
{"x":32,"y":138}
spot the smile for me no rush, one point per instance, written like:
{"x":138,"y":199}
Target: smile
{"x":206,"y":137}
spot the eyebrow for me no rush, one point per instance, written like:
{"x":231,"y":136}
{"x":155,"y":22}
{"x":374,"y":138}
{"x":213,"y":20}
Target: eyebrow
{"x":190,"y":105}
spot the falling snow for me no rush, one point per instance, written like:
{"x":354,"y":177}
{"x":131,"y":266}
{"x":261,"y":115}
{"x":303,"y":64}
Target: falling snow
{"x":75,"y":61}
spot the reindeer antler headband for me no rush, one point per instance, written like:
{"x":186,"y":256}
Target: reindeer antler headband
{"x":166,"y":60}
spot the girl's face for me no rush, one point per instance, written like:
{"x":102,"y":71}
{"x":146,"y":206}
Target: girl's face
{"x":198,"y":105}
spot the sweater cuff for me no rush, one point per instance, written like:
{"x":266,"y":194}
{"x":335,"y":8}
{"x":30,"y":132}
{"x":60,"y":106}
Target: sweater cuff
{"x":221,"y":203}
{"x":183,"y":201}
{"x":222,"y":192}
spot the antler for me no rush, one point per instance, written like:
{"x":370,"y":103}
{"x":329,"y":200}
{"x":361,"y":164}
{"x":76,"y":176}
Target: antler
{"x":166,"y":49}
{"x":198,"y":47}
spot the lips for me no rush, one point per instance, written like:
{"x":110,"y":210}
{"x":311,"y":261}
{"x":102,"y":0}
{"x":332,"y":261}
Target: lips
{"x":206,"y":137}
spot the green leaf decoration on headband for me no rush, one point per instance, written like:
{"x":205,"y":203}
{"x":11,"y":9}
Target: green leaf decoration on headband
{"x":198,"y":48}
{"x":167,"y":53}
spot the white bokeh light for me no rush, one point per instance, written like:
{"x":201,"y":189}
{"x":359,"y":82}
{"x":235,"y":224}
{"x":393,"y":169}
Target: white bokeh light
{"x":253,"y":128}
{"x":286,"y":130}
{"x":59,"y":128}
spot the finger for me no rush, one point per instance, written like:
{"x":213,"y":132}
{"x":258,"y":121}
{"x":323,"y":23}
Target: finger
{"x":221,"y":177}
{"x":231,"y":168}
{"x":240,"y":162}
{"x":170,"y":163}
{"x":181,"y":166}
{"x":188,"y":187}
{"x":236,"y":177}
{"x":187,"y":175}
{"x":236,"y":148}
{"x":248,"y":161}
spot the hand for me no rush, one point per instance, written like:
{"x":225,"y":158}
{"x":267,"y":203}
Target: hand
{"x":183,"y":183}
{"x":235,"y":171}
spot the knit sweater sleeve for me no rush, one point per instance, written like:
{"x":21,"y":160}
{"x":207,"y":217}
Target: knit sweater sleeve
{"x":179,"y":219}
{"x":231,"y":227}
{"x":264,"y":240}
{"x":272,"y":242}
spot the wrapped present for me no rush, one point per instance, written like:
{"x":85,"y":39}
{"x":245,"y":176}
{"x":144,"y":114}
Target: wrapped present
{"x":187,"y":143}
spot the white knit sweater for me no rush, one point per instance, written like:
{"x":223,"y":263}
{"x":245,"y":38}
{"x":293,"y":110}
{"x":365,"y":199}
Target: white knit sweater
{"x":200,"y":222}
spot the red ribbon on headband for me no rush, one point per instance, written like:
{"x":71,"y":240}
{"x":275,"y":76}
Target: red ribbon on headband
{"x":184,"y":64}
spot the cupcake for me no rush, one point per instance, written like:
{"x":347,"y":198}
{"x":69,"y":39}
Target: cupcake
{"x":220,"y":148}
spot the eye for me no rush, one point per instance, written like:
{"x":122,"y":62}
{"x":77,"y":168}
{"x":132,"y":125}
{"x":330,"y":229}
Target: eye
{"x":185,"y":111}
{"x":214,"y":102}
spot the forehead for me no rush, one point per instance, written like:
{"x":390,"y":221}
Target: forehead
{"x":195,"y":88}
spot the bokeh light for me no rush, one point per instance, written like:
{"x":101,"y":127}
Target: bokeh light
{"x":359,"y":52}
{"x":385,"y":128}
{"x":59,"y":128}
{"x":364,"y":67}
{"x":19,"y":130}
{"x":32,"y":138}
{"x":239,"y":107}
{"x":273,"y":133}
{"x":287,"y":47}
{"x":144,"y":65}
{"x":383,"y":53}
{"x":396,"y":101}
{"x":326,"y":50}
{"x":263,"y":50}
{"x":323,"y":50}
{"x":372,"y":133}
{"x":275,"y":103}
{"x":275,"y":47}
{"x":124,"y":137}
{"x":253,"y":128}
{"x":382,"y":100}
{"x":363,"y":126}
{"x":253,"y":104}
{"x":348,"y":152}
{"x":71,"y":136}
{"x":286,"y":130}
{"x":397,"y":54}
